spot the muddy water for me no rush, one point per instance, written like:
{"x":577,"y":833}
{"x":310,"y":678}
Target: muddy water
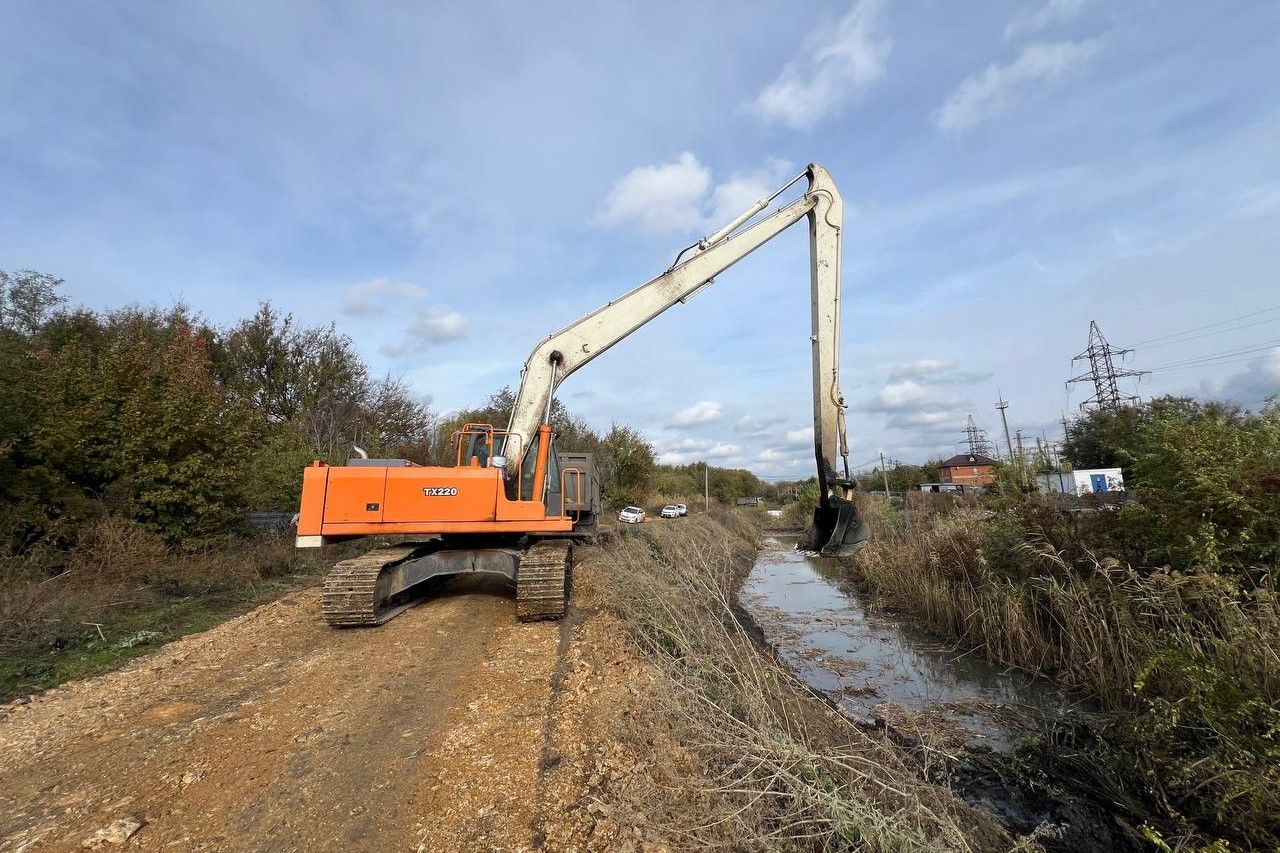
{"x":874,"y":668}
{"x":927,"y":695}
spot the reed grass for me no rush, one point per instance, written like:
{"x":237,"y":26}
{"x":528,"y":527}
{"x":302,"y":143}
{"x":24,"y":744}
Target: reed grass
{"x":1187,"y":662}
{"x":781,"y":770}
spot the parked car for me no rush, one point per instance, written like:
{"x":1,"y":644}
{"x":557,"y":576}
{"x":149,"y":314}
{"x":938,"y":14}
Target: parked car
{"x":671,"y":511}
{"x":684,"y":510}
{"x":631,"y":515}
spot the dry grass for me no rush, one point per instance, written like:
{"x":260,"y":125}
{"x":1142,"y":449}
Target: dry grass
{"x":1095,"y":626}
{"x":55,"y":600}
{"x":776,"y":767}
{"x":1186,"y":662}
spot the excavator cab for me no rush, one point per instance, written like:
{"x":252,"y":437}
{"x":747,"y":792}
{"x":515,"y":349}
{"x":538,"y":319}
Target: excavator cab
{"x":479,"y":441}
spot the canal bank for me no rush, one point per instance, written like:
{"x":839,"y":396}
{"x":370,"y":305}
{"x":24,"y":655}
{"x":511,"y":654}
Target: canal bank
{"x":1016,"y":746}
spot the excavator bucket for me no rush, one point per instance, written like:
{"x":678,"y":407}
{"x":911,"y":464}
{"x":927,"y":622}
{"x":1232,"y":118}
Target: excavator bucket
{"x":837,"y":530}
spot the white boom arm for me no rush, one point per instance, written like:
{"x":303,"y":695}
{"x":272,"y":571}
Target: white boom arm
{"x":560,"y":354}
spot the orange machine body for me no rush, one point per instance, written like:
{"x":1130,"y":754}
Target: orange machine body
{"x":409,"y":499}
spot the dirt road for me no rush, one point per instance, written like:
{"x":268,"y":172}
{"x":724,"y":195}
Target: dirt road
{"x":273,"y":732}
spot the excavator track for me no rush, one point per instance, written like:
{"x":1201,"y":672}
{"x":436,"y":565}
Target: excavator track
{"x":352,"y":593}
{"x":543,"y":581}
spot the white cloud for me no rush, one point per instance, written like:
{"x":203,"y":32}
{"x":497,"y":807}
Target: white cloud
{"x":1251,"y":386}
{"x":901,"y":395}
{"x":379,"y":296}
{"x":935,"y":420}
{"x":757,"y":425}
{"x":773,"y":460}
{"x":802,"y":437}
{"x":836,"y":65}
{"x":986,"y":94}
{"x":688,"y":450}
{"x":679,"y":196}
{"x":919,"y":404}
{"x":386,"y":297}
{"x":434,"y":327}
{"x":933,"y":371}
{"x":1052,"y":12}
{"x":702,"y":412}
{"x":658,"y":199}
{"x":686,"y":445}
{"x":723,"y":450}
{"x":920,"y":369}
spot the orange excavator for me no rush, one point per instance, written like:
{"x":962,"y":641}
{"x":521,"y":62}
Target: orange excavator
{"x":513,"y":504}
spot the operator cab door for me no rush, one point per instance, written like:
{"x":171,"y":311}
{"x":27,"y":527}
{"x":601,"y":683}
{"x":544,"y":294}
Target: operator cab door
{"x":551,"y":496}
{"x":553,"y":482}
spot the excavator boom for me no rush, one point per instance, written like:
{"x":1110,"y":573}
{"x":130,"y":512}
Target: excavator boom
{"x":837,"y":528}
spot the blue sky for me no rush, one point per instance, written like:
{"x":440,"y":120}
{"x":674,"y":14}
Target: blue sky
{"x":449,"y":182}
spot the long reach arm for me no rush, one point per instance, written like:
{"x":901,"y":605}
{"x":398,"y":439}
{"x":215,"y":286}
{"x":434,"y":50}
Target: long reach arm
{"x":837,"y":527}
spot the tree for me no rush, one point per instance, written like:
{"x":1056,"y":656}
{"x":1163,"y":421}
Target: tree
{"x":1208,"y":482}
{"x":27,"y":299}
{"x":312,"y":382}
{"x":399,"y":425}
{"x":262,"y":360}
{"x":1104,"y":439}
{"x":625,"y":461}
{"x":127,"y":416}
{"x":902,"y":477}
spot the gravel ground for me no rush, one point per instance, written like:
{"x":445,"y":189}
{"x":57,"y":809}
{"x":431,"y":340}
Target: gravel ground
{"x":452,"y":727}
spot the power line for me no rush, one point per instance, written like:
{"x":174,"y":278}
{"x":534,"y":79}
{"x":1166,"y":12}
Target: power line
{"x":1183,"y":340}
{"x":868,"y":464}
{"x":1214,"y":358}
{"x":1250,"y":315}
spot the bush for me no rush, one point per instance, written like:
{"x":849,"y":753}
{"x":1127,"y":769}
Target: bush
{"x":1184,"y":662}
{"x":1207,"y":479}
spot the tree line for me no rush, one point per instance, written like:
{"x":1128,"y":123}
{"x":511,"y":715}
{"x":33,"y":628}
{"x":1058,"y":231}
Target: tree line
{"x":162,"y":418}
{"x":1206,"y":475}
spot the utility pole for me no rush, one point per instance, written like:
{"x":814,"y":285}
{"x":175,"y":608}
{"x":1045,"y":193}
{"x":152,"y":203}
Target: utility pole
{"x":1103,"y":373}
{"x":1062,"y":486}
{"x":1002,"y":406}
{"x":885,"y":472}
{"x":1022,"y":461}
{"x":706,"y":488}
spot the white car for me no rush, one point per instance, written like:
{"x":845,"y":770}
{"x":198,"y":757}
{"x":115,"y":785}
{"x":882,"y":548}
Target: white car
{"x":631,"y":515}
{"x":684,"y":510}
{"x":671,"y":511}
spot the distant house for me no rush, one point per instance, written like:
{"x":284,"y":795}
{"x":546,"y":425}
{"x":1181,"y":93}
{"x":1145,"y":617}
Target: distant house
{"x":969,"y":469}
{"x":1083,"y":481}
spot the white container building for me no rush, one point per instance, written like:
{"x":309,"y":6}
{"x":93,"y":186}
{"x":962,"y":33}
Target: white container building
{"x":1084,"y":481}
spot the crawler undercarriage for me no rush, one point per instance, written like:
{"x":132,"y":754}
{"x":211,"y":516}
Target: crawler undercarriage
{"x":374,"y":587}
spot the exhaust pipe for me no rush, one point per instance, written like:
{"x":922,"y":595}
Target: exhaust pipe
{"x":838,"y":529}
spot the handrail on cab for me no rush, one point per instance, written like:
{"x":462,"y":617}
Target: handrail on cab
{"x":577,"y":473}
{"x":489,"y":431}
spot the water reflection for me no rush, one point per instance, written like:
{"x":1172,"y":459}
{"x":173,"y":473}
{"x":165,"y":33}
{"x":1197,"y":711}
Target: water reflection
{"x":875,"y":668}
